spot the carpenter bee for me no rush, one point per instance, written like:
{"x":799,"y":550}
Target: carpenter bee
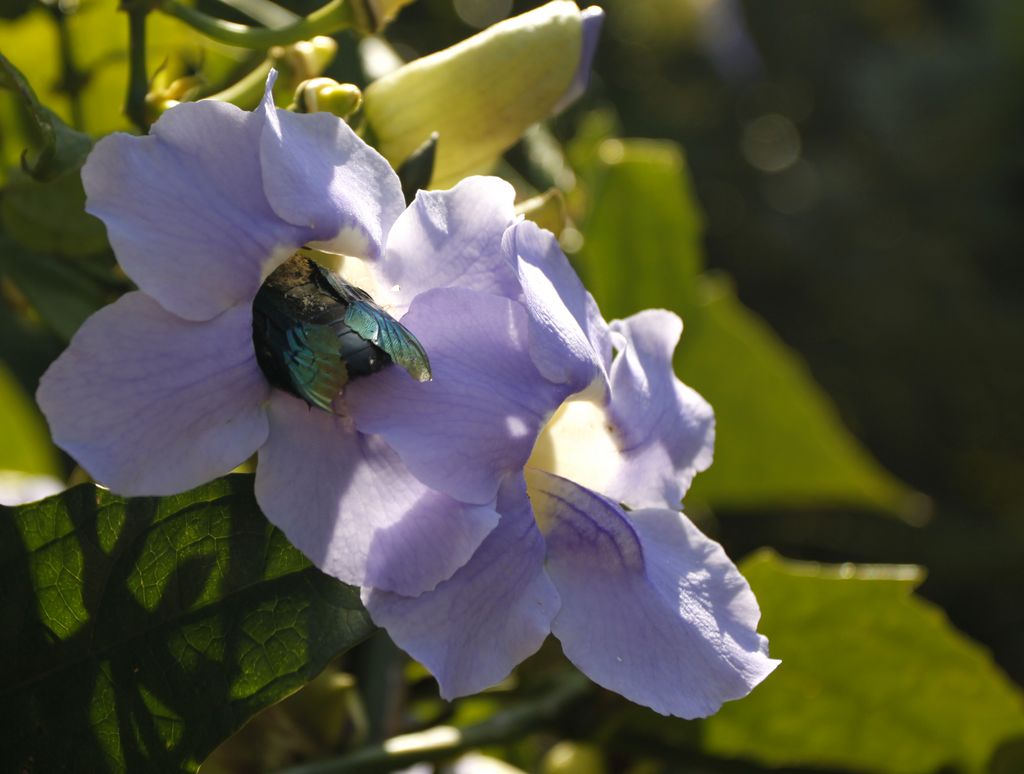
{"x":313,"y":333}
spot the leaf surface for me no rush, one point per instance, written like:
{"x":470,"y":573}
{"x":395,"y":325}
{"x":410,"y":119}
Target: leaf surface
{"x":26,"y":443}
{"x":779,"y":440}
{"x":873,"y":678}
{"x":142,"y":632}
{"x":641,"y":244}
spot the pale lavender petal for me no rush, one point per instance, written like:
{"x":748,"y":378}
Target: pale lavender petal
{"x":479,"y":417}
{"x":495,"y":611}
{"x":185,"y":210}
{"x":450,"y":239}
{"x":651,"y":608}
{"x":151,"y":404}
{"x":569,"y":340}
{"x":665,"y":430}
{"x":593,"y":19}
{"x":348,"y":503}
{"x":318,"y":175}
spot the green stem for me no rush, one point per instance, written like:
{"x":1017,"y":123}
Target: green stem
{"x":247,"y":92}
{"x":266,"y":12}
{"x":444,"y":742}
{"x":377,"y":667}
{"x":138,"y":81}
{"x":333,"y":17}
{"x":72,"y":79}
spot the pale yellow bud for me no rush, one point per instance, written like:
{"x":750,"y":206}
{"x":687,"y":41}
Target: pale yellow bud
{"x":164,"y":95}
{"x":305,"y":59}
{"x":481,"y":94}
{"x":547,"y":210}
{"x":324,"y":95}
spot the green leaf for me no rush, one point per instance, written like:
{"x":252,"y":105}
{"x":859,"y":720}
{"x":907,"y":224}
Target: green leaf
{"x":98,"y":39}
{"x":24,"y":440}
{"x":50,"y":217}
{"x":779,"y":440}
{"x":142,"y":632}
{"x":641,"y":237}
{"x":12,"y":9}
{"x":59,"y":147}
{"x":60,"y":292}
{"x":873,"y":678}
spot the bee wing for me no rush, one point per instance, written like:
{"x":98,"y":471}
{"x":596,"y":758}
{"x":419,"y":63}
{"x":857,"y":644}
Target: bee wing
{"x":375,"y":325}
{"x":316,"y":371}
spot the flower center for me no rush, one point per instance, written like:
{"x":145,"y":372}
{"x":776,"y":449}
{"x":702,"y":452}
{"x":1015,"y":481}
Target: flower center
{"x":577,"y":443}
{"x":313,"y":333}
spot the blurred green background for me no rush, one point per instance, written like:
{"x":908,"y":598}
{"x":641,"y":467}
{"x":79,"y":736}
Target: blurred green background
{"x":831,"y":195}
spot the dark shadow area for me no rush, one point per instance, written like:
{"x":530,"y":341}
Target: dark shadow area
{"x":192,"y":614}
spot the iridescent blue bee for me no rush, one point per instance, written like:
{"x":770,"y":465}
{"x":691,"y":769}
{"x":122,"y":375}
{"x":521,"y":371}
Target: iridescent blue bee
{"x":314,"y":333}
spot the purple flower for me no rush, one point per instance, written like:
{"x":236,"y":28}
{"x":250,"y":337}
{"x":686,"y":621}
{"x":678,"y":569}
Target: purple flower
{"x":459,"y":505}
{"x":642,"y":602}
{"x":161,"y":391}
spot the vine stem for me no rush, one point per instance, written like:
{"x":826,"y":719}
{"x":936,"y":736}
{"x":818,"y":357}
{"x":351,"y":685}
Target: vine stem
{"x":333,"y":17}
{"x":247,"y":92}
{"x":442,"y":742}
{"x":72,"y":79}
{"x":138,"y":81}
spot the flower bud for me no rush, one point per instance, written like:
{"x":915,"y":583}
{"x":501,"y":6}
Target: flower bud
{"x":165,"y":94}
{"x":481,"y":94}
{"x":547,"y":210}
{"x":295,"y":63}
{"x":324,"y":95}
{"x":305,"y":59}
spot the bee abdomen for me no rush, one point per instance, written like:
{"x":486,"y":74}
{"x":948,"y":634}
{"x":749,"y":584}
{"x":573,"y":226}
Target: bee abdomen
{"x":303,"y":343}
{"x":361,"y":356}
